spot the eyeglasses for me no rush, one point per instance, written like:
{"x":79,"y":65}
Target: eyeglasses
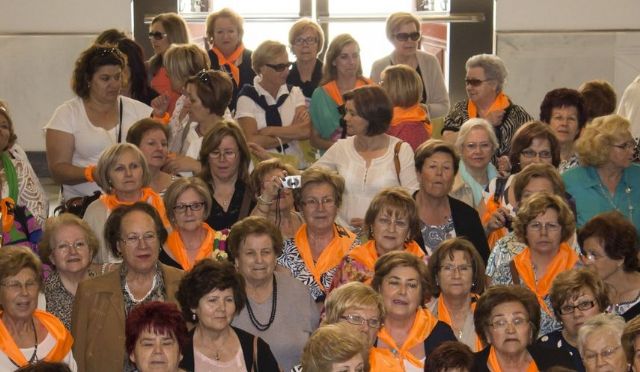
{"x":280,"y":66}
{"x":315,"y":203}
{"x":530,"y":154}
{"x":549,"y":226}
{"x":182,"y":208}
{"x":133,"y":240}
{"x":606,"y":353}
{"x":474,"y":82}
{"x":64,"y":247}
{"x":305,"y":40}
{"x":629,"y":145}
{"x":157,"y":35}
{"x":387,"y":222}
{"x":227,"y":154}
{"x":404,"y":36}
{"x":502,"y":324}
{"x":584,"y":305}
{"x":359,"y":321}
{"x":16,"y":286}
{"x":472,"y":146}
{"x":204,"y":77}
{"x":450,"y":268}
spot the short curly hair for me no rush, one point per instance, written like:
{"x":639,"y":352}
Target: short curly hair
{"x":493,"y":67}
{"x":351,"y":295}
{"x":51,"y":226}
{"x":265,"y":53}
{"x":142,"y":126}
{"x":398,"y":19}
{"x":538,"y":204}
{"x":319,"y":175}
{"x":476,"y":123}
{"x":524,"y":137}
{"x":261,"y":169}
{"x":629,"y":336}
{"x":206,"y":276}
{"x":90,"y":60}
{"x":537,"y":170}
{"x":373,"y":105}
{"x":563,"y":97}
{"x":252,"y":225}
{"x":446,"y":250}
{"x":598,"y":137}
{"x":568,"y":284}
{"x":113,"y":225}
{"x":397,"y":201}
{"x":333,"y":343}
{"x":389,"y":261}
{"x":597,"y":325}
{"x":450,"y":355}
{"x":430,"y":148}
{"x":156,"y":316}
{"x":599,"y":98}
{"x":178,"y":187}
{"x":235,"y":18}
{"x":302,"y":25}
{"x":618,"y":236}
{"x":14,"y":258}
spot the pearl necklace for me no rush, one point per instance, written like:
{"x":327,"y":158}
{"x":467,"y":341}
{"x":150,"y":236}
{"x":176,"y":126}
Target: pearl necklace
{"x":153,"y":285}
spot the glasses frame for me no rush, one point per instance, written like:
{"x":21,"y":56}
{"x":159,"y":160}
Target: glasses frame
{"x":280,"y":67}
{"x":314,"y":203}
{"x":193,"y":207}
{"x":133,"y":241}
{"x":515,"y":322}
{"x":405,"y":36}
{"x":570,"y":309}
{"x":532,"y":154}
{"x":353,"y":319}
{"x":547,"y":226}
{"x":305,"y":40}
{"x":68,"y":246}
{"x":475,"y":82}
{"x":606,"y":353}
{"x":157,"y":35}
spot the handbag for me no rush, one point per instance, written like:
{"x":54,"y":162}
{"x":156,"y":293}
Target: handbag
{"x":77,"y":205}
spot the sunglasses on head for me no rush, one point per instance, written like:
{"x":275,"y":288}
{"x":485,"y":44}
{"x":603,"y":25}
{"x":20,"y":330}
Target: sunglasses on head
{"x":102,"y":52}
{"x":157,"y":35}
{"x":204,"y":77}
{"x":404,"y":36}
{"x":474,"y":82}
{"x":280,"y":66}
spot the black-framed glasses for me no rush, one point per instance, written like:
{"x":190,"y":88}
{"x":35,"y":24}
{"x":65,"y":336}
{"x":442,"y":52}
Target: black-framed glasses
{"x":204,"y":77}
{"x":583,"y":306}
{"x":182,"y":208}
{"x":474,"y":82}
{"x":359,"y":321}
{"x":280,"y":66}
{"x":404,"y":36}
{"x":157,"y":35}
{"x":530,"y":154}
{"x":305,"y":40}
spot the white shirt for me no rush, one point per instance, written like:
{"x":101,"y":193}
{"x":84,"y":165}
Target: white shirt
{"x":44,"y":348}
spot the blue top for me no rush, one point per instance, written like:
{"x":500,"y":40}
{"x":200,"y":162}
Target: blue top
{"x":584,"y":184}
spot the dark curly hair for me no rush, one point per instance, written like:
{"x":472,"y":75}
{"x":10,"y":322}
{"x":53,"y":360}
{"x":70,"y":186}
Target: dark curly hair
{"x":563,"y":97}
{"x":618,"y":235}
{"x":90,"y":61}
{"x":158,"y":317}
{"x":113,"y":226}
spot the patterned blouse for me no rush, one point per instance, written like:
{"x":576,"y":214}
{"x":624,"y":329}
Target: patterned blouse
{"x":433,"y":235}
{"x":565,"y":165}
{"x":59,"y":299}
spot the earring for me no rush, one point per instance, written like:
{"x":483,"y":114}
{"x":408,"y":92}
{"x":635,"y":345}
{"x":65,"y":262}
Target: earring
{"x":194,"y":317}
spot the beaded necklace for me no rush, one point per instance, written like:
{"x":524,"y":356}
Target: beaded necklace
{"x":274,"y":302}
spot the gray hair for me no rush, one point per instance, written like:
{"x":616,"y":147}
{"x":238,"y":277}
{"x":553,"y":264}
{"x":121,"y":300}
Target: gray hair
{"x":475,"y":123}
{"x":601,"y":322}
{"x":493,"y":66}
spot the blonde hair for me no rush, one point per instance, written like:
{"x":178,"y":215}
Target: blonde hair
{"x":178,"y":187}
{"x":110,"y":156}
{"x":301,"y":26}
{"x":320,"y":175}
{"x":538,"y":204}
{"x":224,"y":13}
{"x":51,"y":226}
{"x":476,"y":123}
{"x":398,"y":19}
{"x":266,"y":52}
{"x":329,"y":71}
{"x":403,"y":85}
{"x":351,"y":295}
{"x":595,"y":143}
{"x":185,"y":60}
{"x":333,"y":343}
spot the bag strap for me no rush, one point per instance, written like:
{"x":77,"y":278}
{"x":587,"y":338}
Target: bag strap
{"x":120,"y":123}
{"x":254,"y":365}
{"x":396,"y":159}
{"x":515,"y":277}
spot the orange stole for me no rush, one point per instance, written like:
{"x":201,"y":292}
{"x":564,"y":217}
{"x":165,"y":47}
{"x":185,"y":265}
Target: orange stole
{"x":500,"y":103}
{"x":565,"y":259}
{"x":444,"y":316}
{"x":367,"y":255}
{"x":231,"y":61}
{"x":386,"y":360}
{"x":7,"y":208}
{"x":494,"y":365}
{"x":331,"y":255}
{"x":54,"y":326}
{"x":331,"y":88}
{"x":491,"y":206}
{"x":111,"y":202}
{"x":179,"y":252}
{"x":411,"y":114}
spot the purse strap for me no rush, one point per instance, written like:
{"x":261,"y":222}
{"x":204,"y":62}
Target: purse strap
{"x":396,"y":160}
{"x":120,"y":123}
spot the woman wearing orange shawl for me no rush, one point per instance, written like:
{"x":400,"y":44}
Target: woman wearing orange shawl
{"x":544,"y":223}
{"x":484,"y":84}
{"x":390,"y":223}
{"x":227,"y":53}
{"x":319,"y":245}
{"x":27,"y":335}
{"x":123,"y":174}
{"x":410,"y":331}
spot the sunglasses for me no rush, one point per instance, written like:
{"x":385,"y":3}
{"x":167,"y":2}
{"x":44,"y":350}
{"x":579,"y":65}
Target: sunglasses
{"x":204,"y":77}
{"x":404,"y":36}
{"x":474,"y":82}
{"x":157,"y":35}
{"x":280,"y":66}
{"x":103,"y":52}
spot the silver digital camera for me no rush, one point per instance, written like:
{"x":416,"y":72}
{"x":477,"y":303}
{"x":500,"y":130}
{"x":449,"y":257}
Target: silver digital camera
{"x":292,"y":182}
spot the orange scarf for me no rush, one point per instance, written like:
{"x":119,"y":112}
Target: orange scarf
{"x":411,"y":114}
{"x":111,"y":202}
{"x":331,"y":88}
{"x":491,"y":206}
{"x":500,"y":103}
{"x":444,"y":316}
{"x":494,"y":365}
{"x":231,"y":61}
{"x":564,"y":260}
{"x":388,"y":360}
{"x":367,"y":255}
{"x":331,"y":255}
{"x":7,"y":208}
{"x":179,"y":252}
{"x":54,"y":326}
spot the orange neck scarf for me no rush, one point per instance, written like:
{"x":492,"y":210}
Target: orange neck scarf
{"x":54,"y":326}
{"x":444,"y":316}
{"x":111,"y":202}
{"x":494,"y":365}
{"x":420,"y":330}
{"x":491,"y":206}
{"x":7,"y":208}
{"x":367,"y":254}
{"x":331,"y":255}
{"x":331,"y":88}
{"x":179,"y":251}
{"x":410,"y":114}
{"x":231,"y":61}
{"x":564,"y":260}
{"x":500,"y":103}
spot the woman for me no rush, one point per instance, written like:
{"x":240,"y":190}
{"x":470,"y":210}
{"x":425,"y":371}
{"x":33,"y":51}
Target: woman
{"x":410,"y":121}
{"x":404,"y":32}
{"x":476,"y":144}
{"x":165,"y":29}
{"x":334,"y":347}
{"x":224,"y":158}
{"x":564,"y":110}
{"x":27,"y":334}
{"x":316,"y":249}
{"x":210,"y":296}
{"x":156,"y":336}
{"x":391,"y":223}
{"x":152,"y":138}
{"x":341,"y":73}
{"x":272,"y":114}
{"x":544,"y":223}
{"x":507,"y":318}
{"x":457,"y":270}
{"x":631,"y":343}
{"x":97,"y":118}
{"x":576,"y":296}
{"x":599,"y":98}
{"x":607,"y":179}
{"x":102,"y":304}
{"x":599,"y":342}
{"x":371,"y":153}
{"x":123,"y":174}
{"x":410,"y":331}
{"x":486,"y":75}
{"x":610,"y":246}
{"x":306,"y":40}
{"x":19,"y":181}
{"x":450,"y":356}
{"x":68,"y":245}
{"x":274,"y":200}
{"x":442,"y":216}
{"x":224,"y":35}
{"x":188,"y":203}
{"x":278,"y":308}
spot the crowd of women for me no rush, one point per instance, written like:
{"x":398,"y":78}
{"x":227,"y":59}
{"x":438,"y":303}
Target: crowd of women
{"x":230,"y":210}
